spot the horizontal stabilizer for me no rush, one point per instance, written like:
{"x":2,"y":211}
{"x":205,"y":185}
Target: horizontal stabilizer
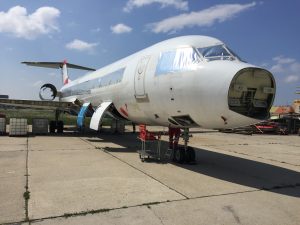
{"x":57,"y":65}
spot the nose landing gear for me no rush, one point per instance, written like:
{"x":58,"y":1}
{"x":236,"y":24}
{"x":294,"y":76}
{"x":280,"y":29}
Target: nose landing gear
{"x":181,"y":154}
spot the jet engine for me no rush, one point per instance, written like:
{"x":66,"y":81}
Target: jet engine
{"x":48,"y":92}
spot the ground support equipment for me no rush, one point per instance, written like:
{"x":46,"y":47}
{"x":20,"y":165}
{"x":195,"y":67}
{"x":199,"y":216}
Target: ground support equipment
{"x":150,"y":145}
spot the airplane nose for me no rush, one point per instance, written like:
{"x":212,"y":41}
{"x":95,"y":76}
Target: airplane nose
{"x":251,"y":92}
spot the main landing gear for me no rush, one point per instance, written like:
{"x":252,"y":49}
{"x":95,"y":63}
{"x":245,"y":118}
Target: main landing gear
{"x":181,"y":154}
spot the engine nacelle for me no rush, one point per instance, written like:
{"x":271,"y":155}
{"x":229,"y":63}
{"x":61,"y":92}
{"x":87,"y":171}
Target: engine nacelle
{"x":48,"y":92}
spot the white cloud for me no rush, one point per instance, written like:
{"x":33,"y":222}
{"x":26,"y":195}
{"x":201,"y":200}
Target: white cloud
{"x":120,"y":28}
{"x":283,"y":60}
{"x":277,"y":68}
{"x":81,"y":45}
{"x":19,"y":23}
{"x":286,"y":67}
{"x":264,"y":65}
{"x":178,"y":4}
{"x":291,"y":79}
{"x":96,"y":30}
{"x":203,"y":18}
{"x":10,"y":49}
{"x":295,"y":67}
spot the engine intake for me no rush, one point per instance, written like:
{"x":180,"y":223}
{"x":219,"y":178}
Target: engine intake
{"x":48,"y":92}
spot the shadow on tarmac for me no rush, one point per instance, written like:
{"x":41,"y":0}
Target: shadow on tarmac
{"x":221,"y":166}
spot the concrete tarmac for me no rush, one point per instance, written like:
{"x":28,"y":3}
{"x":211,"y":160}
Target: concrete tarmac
{"x":72,"y":179}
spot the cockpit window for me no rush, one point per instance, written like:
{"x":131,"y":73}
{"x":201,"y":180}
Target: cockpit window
{"x":181,"y":59}
{"x":217,"y":52}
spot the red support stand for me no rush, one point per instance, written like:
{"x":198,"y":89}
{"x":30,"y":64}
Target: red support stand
{"x":174,"y":134}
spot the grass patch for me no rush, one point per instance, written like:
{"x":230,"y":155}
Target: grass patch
{"x":151,"y":203}
{"x":67,"y":215}
{"x":26,"y":195}
{"x":30,"y":114}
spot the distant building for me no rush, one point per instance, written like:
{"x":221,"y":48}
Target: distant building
{"x":4,"y":96}
{"x":287,"y":116}
{"x":279,"y":111}
{"x":296,"y":106}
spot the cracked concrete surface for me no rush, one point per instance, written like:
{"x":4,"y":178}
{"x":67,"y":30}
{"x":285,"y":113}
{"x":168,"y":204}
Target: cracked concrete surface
{"x":100,"y":180}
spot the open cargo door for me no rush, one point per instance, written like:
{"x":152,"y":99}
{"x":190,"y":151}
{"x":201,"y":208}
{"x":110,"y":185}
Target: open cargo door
{"x":98,"y":115}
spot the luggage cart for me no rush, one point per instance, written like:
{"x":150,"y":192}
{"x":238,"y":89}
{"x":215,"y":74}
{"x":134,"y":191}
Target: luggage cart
{"x":150,"y":145}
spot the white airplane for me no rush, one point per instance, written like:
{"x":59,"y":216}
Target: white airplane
{"x":189,"y":81}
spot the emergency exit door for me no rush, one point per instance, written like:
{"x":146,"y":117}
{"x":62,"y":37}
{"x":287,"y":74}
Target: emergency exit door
{"x":139,"y":78}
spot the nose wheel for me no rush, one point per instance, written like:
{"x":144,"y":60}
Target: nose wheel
{"x":181,"y":154}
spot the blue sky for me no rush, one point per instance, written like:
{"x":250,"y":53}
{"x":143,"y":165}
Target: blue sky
{"x":95,"y":33}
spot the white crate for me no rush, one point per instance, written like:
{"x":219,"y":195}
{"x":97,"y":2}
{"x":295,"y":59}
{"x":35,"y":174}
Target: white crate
{"x":2,"y":125}
{"x":18,"y":127}
{"x":40,"y":126}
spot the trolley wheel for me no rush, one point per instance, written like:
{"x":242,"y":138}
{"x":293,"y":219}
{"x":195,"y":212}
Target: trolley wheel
{"x":179,"y":155}
{"x":190,"y":155}
{"x":141,"y":157}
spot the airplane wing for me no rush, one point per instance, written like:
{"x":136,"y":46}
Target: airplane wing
{"x":35,"y":104}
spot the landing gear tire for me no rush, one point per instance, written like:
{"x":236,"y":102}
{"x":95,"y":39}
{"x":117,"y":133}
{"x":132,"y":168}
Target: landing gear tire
{"x":179,"y":155}
{"x":190,"y":155}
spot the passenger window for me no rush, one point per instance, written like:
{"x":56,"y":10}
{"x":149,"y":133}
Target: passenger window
{"x":182,"y":59}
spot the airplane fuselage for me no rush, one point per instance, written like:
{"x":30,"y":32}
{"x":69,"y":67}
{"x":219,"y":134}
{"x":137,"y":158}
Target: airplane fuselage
{"x":188,"y":81}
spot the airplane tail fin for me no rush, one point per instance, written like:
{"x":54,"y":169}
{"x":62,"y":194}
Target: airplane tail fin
{"x":64,"y":71}
{"x":59,"y":65}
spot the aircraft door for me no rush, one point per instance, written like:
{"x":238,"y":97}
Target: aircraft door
{"x":139,"y":78}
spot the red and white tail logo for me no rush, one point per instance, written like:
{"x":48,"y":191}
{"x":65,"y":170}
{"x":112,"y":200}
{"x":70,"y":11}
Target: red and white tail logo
{"x":65,"y":76}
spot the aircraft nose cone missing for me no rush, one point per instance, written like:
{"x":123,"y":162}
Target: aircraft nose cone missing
{"x":251,"y":93}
